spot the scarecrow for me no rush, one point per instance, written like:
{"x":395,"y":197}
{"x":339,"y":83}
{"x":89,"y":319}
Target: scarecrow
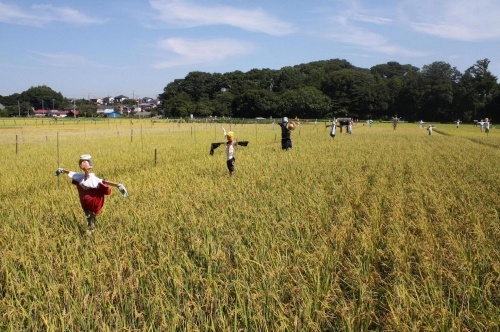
{"x":286,"y":129}
{"x":230,"y":149}
{"x":91,"y":189}
{"x":333,"y":128}
{"x":430,"y":128}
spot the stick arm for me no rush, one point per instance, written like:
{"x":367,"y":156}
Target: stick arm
{"x":120,"y":187}
{"x":111,"y":183}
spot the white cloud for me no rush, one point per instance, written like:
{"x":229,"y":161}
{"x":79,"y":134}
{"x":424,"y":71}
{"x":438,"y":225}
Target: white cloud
{"x":343,"y":29}
{"x":63,"y":14}
{"x":453,"y":19}
{"x":370,"y":19}
{"x":14,"y":15}
{"x":69,"y":60}
{"x":40,"y":15}
{"x":185,"y":14}
{"x":61,"y":59}
{"x":195,"y":52}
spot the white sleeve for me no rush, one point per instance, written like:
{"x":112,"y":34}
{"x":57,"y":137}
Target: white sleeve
{"x":76,"y":176}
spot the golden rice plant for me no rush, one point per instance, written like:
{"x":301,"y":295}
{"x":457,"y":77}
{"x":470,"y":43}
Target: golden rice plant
{"x":379,"y":230}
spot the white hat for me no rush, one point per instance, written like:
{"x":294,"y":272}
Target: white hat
{"x":285,"y":119}
{"x":85,"y":157}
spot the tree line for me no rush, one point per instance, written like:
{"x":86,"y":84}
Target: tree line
{"x":315,"y":90}
{"x":334,"y":88}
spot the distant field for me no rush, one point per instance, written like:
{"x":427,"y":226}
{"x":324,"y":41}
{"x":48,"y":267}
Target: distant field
{"x":379,"y":230}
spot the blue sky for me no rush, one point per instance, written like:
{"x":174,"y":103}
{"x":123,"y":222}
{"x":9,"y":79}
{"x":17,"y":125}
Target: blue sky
{"x":90,"y":48}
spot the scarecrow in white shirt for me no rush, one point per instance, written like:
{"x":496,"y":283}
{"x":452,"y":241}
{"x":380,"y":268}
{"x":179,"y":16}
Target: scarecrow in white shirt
{"x":91,"y":189}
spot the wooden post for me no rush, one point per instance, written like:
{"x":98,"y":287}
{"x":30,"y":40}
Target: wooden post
{"x":58,"y":181}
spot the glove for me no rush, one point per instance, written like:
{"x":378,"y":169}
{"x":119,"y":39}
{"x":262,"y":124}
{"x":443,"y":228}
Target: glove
{"x":123,"y":190}
{"x":59,"y":171}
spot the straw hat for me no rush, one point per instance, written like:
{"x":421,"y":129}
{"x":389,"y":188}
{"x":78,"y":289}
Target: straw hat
{"x":290,"y":126}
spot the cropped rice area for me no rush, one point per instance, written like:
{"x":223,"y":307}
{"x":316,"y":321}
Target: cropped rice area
{"x":379,"y":230}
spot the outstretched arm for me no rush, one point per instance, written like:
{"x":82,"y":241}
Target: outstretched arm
{"x":214,"y":146}
{"x":120,"y":186}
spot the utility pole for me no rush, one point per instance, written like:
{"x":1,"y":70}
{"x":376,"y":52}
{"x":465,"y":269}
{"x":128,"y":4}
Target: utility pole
{"x":19,"y":107}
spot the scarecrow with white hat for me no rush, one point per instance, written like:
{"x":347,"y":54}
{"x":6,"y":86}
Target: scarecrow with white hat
{"x":91,"y":189}
{"x":286,"y":129}
{"x":487,"y":125}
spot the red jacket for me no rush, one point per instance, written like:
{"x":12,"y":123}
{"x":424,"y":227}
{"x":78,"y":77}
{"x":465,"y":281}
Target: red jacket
{"x":92,"y":199}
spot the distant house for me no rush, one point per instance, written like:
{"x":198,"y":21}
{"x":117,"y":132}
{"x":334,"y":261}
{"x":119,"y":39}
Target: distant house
{"x":147,"y":106}
{"x":130,"y":109}
{"x":108,"y":100}
{"x":40,"y":113}
{"x":111,"y":114}
{"x":72,"y":113}
{"x":101,"y":110}
{"x":120,"y":98}
{"x":59,"y":114}
{"x":96,"y":101}
{"x":143,"y":114}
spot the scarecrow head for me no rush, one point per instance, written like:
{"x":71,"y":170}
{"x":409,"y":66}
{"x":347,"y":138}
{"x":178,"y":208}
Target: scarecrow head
{"x":85,"y":163}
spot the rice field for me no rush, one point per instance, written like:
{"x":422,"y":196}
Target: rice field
{"x":381,"y":230}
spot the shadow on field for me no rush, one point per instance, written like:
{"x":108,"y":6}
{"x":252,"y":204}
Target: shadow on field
{"x":474,"y":140}
{"x":483,"y":143}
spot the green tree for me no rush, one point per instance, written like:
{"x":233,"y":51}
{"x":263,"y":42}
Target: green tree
{"x":253,"y":103}
{"x":354,"y":90}
{"x":199,"y":85}
{"x":307,"y":102}
{"x":479,"y":87}
{"x":222,"y":104}
{"x":288,"y":78}
{"x":408,"y":101}
{"x":439,"y":78}
{"x":179,"y":106}
{"x":87,"y":110}
{"x":41,"y":97}
{"x":391,"y":80}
